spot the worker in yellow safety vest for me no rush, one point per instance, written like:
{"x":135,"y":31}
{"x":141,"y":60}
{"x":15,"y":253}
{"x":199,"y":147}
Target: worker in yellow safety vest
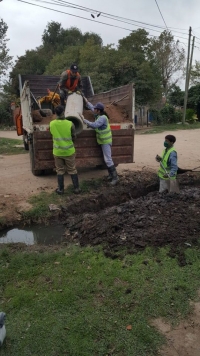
{"x":63,"y":133}
{"x":104,"y":137}
{"x":169,"y":162}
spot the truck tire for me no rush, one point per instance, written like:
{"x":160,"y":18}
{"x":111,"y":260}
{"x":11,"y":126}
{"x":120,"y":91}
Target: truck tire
{"x":36,"y":172}
{"x":25,"y":141}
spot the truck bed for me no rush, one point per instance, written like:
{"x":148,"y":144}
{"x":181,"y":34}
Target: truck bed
{"x":88,"y":152}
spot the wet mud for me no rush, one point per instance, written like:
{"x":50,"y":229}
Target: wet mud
{"x":133,"y":215}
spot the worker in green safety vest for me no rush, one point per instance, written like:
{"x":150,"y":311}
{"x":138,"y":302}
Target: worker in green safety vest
{"x":169,"y":162}
{"x":63,"y":133}
{"x":103,"y":136}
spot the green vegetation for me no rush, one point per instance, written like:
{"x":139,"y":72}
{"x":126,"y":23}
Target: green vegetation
{"x":40,"y":210}
{"x":136,"y":58}
{"x":171,"y":127}
{"x":8,"y":146}
{"x":77,"y":302}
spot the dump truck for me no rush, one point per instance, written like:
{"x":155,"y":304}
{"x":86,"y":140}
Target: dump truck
{"x":119,"y":104}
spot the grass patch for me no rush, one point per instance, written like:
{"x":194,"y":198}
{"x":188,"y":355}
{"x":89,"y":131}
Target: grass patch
{"x":77,"y":302}
{"x":8,"y":146}
{"x":40,"y":202}
{"x":171,"y":127}
{"x":86,"y":186}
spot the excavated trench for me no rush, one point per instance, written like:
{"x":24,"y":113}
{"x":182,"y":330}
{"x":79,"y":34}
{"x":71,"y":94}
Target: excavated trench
{"x":131,"y":216}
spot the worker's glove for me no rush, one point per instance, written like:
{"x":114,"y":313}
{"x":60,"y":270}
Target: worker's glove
{"x":69,"y":92}
{"x":78,"y":92}
{"x":158,"y":158}
{"x":165,"y":175}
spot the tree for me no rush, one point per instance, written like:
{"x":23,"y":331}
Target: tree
{"x":169,"y":58}
{"x":56,"y":39}
{"x":194,"y":99}
{"x":61,"y":61}
{"x":5,"y":59}
{"x":33,"y":62}
{"x":176,"y":96}
{"x":60,"y":47}
{"x":133,"y":65}
{"x":195,"y":73}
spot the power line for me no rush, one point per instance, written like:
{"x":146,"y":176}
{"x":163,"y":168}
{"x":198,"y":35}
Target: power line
{"x":161,"y":14}
{"x":107,"y":15}
{"x":114,"y":16}
{"x":100,"y":22}
{"x":80,"y":17}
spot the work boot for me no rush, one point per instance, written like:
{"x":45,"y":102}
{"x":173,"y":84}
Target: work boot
{"x":75,"y":182}
{"x":60,"y":189}
{"x":114,"y":175}
{"x":109,"y":177}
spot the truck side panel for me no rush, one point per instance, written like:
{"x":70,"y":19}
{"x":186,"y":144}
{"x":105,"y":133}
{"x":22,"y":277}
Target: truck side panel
{"x":127,"y":92}
{"x":88,"y":152}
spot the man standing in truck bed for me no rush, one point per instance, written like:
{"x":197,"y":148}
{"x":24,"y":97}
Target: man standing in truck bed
{"x":70,"y":82}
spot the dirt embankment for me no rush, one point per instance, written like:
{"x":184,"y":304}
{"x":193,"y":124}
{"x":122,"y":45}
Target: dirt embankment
{"x":118,"y":219}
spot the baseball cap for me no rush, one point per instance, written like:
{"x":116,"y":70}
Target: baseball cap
{"x":99,"y":106}
{"x":74,"y":68}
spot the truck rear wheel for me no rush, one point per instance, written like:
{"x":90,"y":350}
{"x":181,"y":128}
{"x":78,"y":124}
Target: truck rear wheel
{"x":36,"y":172}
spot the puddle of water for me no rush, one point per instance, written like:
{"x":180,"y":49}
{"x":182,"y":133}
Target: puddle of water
{"x":41,"y":235}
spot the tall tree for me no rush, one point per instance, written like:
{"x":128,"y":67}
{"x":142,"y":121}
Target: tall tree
{"x":5,"y":59}
{"x":169,"y":57}
{"x":176,"y":96}
{"x":133,"y":65}
{"x":195,"y":73}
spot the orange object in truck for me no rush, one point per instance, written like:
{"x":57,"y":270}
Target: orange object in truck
{"x":19,"y":127}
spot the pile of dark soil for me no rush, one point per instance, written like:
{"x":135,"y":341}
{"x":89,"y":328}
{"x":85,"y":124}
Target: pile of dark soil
{"x":133,"y":215}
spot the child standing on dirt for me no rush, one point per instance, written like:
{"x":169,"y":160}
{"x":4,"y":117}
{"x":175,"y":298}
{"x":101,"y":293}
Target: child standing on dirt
{"x":168,"y":164}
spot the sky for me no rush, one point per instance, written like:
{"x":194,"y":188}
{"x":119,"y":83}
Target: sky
{"x":26,"y":23}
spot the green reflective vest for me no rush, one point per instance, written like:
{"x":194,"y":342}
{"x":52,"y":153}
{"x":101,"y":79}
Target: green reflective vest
{"x":165,"y":157}
{"x":62,"y":137}
{"x":104,"y":136}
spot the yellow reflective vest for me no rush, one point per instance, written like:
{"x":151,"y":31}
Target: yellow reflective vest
{"x":165,"y":157}
{"x":62,"y":137}
{"x":104,"y":136}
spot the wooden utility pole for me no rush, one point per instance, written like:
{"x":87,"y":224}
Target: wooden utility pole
{"x":187,"y":76}
{"x":191,"y":58}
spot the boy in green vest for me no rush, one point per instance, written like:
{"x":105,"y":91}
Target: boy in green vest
{"x":63,"y":132}
{"x":169,"y":161}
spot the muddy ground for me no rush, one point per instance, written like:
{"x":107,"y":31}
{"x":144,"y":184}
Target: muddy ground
{"x":134,"y":215}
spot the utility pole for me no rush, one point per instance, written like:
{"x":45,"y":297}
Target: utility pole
{"x":187,"y":76}
{"x":190,"y":66}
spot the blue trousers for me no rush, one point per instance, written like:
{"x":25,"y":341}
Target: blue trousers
{"x":107,"y":154}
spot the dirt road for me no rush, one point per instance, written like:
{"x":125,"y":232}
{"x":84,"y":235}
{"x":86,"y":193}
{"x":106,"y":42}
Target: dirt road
{"x":17,"y":179}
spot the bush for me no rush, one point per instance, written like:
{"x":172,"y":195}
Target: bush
{"x":168,"y":114}
{"x":156,"y":117}
{"x":5,"y":116}
{"x":190,"y":115}
{"x":179,"y":115}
